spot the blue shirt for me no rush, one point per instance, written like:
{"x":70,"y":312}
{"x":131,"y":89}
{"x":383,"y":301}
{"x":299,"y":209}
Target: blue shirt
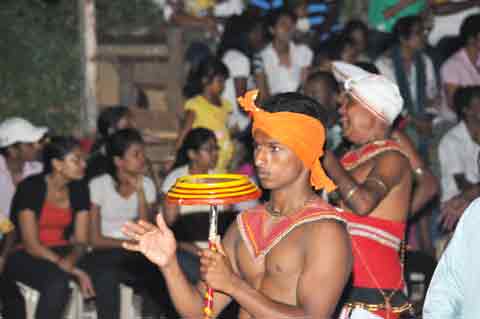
{"x":454,"y":289}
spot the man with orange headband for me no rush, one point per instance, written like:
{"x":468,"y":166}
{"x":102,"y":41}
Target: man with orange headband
{"x":375,"y":183}
{"x":289,"y":258}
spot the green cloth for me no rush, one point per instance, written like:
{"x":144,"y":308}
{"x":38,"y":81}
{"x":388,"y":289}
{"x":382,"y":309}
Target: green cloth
{"x":377,"y":7}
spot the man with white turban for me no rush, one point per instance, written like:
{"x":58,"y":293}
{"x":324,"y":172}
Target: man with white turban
{"x":375,"y":185}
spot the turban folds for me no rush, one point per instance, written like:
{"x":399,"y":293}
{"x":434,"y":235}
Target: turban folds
{"x":303,"y":134}
{"x":375,"y":92}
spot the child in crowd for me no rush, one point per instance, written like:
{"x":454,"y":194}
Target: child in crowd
{"x":50,"y":211}
{"x":120,"y":195}
{"x":206,"y":107}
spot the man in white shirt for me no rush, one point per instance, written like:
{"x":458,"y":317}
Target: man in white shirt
{"x":20,"y":144}
{"x":458,"y":154}
{"x":453,"y":291}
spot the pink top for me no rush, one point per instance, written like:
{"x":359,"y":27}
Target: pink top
{"x":7,"y":186}
{"x":458,"y":70}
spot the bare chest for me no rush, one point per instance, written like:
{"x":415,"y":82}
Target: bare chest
{"x":276,"y":274}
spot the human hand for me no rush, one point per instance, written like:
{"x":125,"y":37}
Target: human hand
{"x":86,"y":286}
{"x":216,"y":270}
{"x":66,"y":265}
{"x":157,"y":243}
{"x":452,"y":210}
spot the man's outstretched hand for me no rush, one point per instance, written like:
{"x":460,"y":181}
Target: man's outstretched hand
{"x":157,"y":243}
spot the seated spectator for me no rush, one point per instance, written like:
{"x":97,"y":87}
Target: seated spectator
{"x":206,"y":108}
{"x":50,"y":211}
{"x":123,"y":194}
{"x":412,"y":70}
{"x":461,"y":69}
{"x":110,"y":120}
{"x":358,"y":32}
{"x":458,"y":153}
{"x":20,"y":146}
{"x":283,"y":65}
{"x":383,"y":15}
{"x":243,"y":37}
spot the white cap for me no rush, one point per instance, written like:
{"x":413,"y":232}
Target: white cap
{"x":18,"y":130}
{"x":375,"y":92}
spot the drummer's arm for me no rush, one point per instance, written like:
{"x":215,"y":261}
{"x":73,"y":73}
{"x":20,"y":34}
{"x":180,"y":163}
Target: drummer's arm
{"x":188,"y":299}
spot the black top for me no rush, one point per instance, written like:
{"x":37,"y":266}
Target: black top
{"x":31,"y":194}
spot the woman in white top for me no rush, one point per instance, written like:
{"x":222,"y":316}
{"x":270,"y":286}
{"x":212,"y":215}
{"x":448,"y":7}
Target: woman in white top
{"x":283,"y":65}
{"x":123,"y":194}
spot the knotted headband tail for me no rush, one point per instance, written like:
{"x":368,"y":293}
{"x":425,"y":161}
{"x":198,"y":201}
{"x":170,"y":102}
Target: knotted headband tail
{"x":303,"y":134}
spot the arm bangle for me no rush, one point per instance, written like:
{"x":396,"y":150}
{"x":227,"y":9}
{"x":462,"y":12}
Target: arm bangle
{"x":419,"y":171}
{"x":350,"y":193}
{"x":378,"y":182}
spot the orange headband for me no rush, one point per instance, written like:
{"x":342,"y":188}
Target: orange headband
{"x":301,"y":133}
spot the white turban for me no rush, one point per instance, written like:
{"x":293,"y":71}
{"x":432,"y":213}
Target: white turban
{"x":375,"y":92}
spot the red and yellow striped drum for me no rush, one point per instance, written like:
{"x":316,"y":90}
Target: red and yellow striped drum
{"x":213,"y":190}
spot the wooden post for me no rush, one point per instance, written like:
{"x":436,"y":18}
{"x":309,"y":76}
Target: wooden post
{"x":175,"y":70}
{"x":89,"y":44}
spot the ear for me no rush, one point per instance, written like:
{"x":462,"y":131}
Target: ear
{"x":117,"y":161}
{"x":191,"y":154}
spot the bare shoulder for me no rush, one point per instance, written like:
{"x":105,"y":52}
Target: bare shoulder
{"x":327,"y":229}
{"x":393,"y":159}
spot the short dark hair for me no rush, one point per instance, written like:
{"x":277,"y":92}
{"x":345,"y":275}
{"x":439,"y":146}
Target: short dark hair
{"x":107,"y":124}
{"x":463,"y":97}
{"x":117,"y":145}
{"x":403,"y":28}
{"x":109,"y":118}
{"x":355,"y":24}
{"x":326,"y":77}
{"x":296,"y":103}
{"x":470,"y":28}
{"x":275,"y":15}
{"x":57,"y":148}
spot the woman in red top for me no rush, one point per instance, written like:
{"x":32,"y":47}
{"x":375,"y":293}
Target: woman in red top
{"x":50,"y":211}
